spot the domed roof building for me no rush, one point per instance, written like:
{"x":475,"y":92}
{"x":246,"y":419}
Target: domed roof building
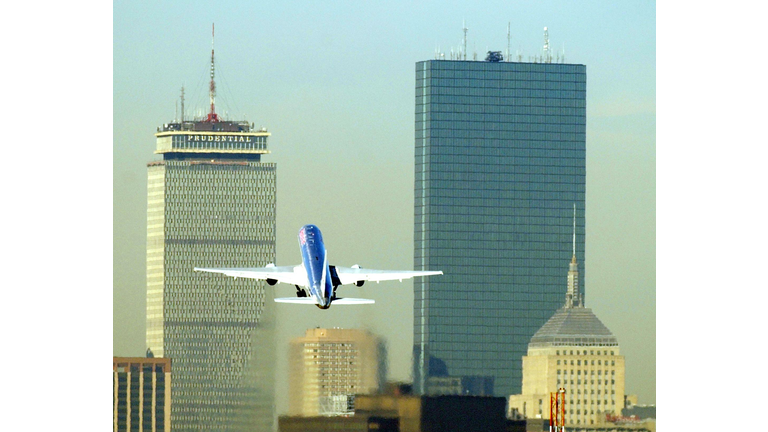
{"x":573,"y":326}
{"x":574,"y":351}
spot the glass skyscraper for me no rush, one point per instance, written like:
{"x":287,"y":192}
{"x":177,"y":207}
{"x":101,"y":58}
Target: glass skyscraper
{"x":211,"y":203}
{"x":500,"y":154}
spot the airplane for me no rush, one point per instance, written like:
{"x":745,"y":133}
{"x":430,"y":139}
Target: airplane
{"x":315,"y":280}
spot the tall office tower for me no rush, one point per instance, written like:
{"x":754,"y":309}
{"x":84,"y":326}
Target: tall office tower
{"x":211,"y":203}
{"x":141,"y":399}
{"x":500,"y":152}
{"x":576,"y":352}
{"x":328,"y":367}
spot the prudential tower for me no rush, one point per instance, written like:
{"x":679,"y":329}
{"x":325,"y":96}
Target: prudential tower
{"x":211,"y":203}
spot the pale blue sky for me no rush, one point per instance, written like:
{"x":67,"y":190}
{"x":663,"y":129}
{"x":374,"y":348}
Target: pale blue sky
{"x":334,"y":84}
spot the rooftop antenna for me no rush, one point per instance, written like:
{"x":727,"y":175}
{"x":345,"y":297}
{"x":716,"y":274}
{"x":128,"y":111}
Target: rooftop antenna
{"x":464,"y":27}
{"x":212,"y":117}
{"x":182,"y":103}
{"x":563,"y":52}
{"x":508,"y":40}
{"x":547,"y":58}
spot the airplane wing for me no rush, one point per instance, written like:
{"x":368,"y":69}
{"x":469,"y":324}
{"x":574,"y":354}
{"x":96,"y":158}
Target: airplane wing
{"x":337,"y":301}
{"x":294,"y":275}
{"x":354,"y":274}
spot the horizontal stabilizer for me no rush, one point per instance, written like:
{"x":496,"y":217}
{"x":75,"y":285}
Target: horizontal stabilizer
{"x":298,"y":300}
{"x":350,"y":301}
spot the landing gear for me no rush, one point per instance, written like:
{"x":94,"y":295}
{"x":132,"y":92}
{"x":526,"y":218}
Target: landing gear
{"x":300,"y":292}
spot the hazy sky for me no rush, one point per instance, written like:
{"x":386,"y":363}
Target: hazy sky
{"x":334,"y":84}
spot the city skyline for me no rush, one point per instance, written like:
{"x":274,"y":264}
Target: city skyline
{"x":308,"y":114}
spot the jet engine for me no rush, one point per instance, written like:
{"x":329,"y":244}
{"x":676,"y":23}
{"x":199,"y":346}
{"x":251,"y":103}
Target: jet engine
{"x":361,"y":282}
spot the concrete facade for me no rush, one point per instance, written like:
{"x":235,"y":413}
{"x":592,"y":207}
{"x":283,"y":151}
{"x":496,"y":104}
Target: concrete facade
{"x":211,"y":202}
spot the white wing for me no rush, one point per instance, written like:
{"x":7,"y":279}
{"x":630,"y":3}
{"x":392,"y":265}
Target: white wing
{"x":294,"y":275}
{"x":338,"y":301}
{"x":352,"y":275}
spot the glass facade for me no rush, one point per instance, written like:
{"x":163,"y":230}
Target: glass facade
{"x":500,"y":154}
{"x":210,"y":210}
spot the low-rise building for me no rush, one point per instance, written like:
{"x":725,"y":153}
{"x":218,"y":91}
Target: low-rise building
{"x":141,"y":398}
{"x":328,"y":367}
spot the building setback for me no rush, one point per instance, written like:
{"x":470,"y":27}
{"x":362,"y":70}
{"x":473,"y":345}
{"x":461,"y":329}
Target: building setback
{"x":328,"y":367}
{"x":211,"y":203}
{"x":500,"y":154}
{"x":141,"y":398}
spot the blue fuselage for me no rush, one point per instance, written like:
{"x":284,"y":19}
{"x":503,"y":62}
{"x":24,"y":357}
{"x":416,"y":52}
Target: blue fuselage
{"x":313,"y":257}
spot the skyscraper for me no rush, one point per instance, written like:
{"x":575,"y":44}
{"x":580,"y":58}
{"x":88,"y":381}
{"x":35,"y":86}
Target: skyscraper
{"x":211,"y":203}
{"x":328,"y":367}
{"x":500,"y":153}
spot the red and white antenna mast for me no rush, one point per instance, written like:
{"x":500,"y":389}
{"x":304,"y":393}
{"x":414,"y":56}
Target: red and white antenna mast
{"x":557,"y":411}
{"x":212,"y":116}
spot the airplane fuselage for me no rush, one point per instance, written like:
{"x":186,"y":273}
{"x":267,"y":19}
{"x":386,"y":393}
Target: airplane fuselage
{"x":314,"y":259}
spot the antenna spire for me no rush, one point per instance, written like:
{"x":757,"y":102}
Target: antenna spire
{"x":212,"y":116}
{"x":574,"y":229}
{"x":573,"y":295}
{"x":509,"y":40}
{"x":464,"y":27}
